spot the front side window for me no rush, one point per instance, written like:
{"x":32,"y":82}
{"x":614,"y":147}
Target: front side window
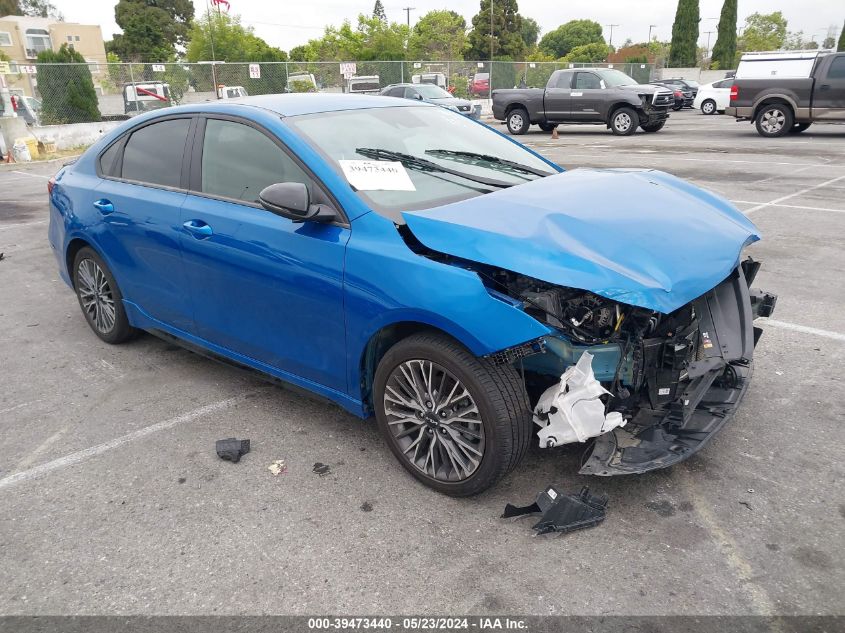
{"x":837,"y":68}
{"x":430,"y":133}
{"x":587,"y":81}
{"x":564,"y":80}
{"x":153,"y":154}
{"x":238,"y":161}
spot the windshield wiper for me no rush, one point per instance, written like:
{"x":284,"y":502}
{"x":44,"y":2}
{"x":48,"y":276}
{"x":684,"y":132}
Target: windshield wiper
{"x":416,"y":162}
{"x":493,"y":160}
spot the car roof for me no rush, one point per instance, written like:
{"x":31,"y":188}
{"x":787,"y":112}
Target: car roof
{"x":309,"y":103}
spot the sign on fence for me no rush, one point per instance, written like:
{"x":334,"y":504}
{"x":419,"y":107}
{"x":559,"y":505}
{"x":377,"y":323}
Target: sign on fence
{"x":348,"y":69}
{"x":254,"y":71}
{"x":158,"y":68}
{"x":28,"y":70}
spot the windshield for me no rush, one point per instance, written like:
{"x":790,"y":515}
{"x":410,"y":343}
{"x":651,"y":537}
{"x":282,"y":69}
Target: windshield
{"x":418,"y":131}
{"x":692,"y":83}
{"x":616,"y":78}
{"x":432,"y":92}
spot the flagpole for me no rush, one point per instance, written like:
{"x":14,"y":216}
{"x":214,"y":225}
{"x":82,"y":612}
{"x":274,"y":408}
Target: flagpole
{"x":213,"y":60}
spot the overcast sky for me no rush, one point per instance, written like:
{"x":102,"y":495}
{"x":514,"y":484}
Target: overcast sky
{"x":283,"y":25}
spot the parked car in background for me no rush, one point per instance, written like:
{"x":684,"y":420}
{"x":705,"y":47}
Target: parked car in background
{"x":786,"y":92}
{"x":686,"y":85}
{"x":26,"y":107}
{"x":436,"y":79}
{"x":714,"y":97}
{"x":683,"y":96}
{"x":433,"y":94}
{"x":365,"y":84}
{"x":410,"y":264}
{"x":231,"y":92}
{"x":585,"y":95}
{"x":479,"y":85}
{"x":144,"y":96}
{"x":301,"y":82}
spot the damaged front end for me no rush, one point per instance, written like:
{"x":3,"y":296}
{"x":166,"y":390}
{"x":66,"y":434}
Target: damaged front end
{"x":650,"y":388}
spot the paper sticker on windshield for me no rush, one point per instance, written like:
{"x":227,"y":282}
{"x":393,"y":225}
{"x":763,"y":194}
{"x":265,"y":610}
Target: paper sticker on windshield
{"x":376,"y":175}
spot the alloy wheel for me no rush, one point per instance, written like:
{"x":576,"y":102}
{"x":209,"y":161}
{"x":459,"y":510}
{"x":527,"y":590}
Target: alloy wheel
{"x":516,"y":121}
{"x":709,"y":107}
{"x":773,"y":121}
{"x":95,"y":295}
{"x":434,"y":420}
{"x":623,"y":122}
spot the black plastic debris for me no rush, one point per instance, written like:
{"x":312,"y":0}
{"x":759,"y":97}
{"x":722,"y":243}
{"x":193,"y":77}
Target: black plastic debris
{"x":321,"y":469}
{"x":561,"y":512}
{"x":232,"y":449}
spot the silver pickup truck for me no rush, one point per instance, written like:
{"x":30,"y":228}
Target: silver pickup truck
{"x":785,"y":93}
{"x":585,"y":95}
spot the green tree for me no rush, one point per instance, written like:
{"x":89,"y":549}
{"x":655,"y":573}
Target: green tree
{"x":152,"y":29}
{"x":724,"y":50}
{"x":438,"y":35}
{"x":507,"y":39}
{"x":10,"y":7}
{"x":67,"y":91}
{"x":232,"y":41}
{"x":588,"y":53}
{"x":763,"y":32}
{"x":530,"y":32}
{"x":378,"y":11}
{"x":841,"y":45}
{"x":684,"y":48}
{"x":563,"y":39}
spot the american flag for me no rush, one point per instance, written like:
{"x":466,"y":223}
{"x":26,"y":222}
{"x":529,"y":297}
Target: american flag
{"x":219,"y":3}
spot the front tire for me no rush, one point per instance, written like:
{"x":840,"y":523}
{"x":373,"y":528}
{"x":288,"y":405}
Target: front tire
{"x":708,"y":107}
{"x":456,"y":422}
{"x":100,"y":298}
{"x":774,"y":120}
{"x":518,"y":121}
{"x":624,"y":122}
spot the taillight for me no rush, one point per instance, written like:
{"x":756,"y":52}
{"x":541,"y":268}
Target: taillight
{"x":50,"y":184}
{"x":734,"y":92}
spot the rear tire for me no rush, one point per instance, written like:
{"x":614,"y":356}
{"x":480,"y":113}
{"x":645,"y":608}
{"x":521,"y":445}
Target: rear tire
{"x":492,"y":418}
{"x":708,"y":106}
{"x":774,"y":120}
{"x":100,"y":298}
{"x":797,"y":128}
{"x":518,"y":121}
{"x":624,"y":122}
{"x":548,"y":127}
{"x":677,"y":106}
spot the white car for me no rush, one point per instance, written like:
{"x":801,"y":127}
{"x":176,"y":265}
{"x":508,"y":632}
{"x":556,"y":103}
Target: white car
{"x":714,"y":97}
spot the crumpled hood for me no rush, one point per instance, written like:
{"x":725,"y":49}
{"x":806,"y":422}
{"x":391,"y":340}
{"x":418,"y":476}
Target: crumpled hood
{"x":640,"y":237}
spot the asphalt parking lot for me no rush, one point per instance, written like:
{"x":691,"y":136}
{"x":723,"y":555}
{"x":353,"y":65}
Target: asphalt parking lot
{"x":113,"y":500}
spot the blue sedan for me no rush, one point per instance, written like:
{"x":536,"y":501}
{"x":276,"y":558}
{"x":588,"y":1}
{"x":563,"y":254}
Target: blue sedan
{"x":407,"y":262}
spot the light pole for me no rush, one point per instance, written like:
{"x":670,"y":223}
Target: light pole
{"x":707,"y":50}
{"x":610,"y":41}
{"x":651,"y":26}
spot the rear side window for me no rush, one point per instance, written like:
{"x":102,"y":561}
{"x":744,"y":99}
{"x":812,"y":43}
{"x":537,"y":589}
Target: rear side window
{"x":564,"y":80}
{"x":154,"y":153}
{"x":108,"y":160}
{"x":837,"y":68}
{"x":587,"y":81}
{"x":239,"y":161}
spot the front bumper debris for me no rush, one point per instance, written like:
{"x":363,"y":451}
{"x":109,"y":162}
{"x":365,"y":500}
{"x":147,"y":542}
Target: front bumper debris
{"x":560,"y":512}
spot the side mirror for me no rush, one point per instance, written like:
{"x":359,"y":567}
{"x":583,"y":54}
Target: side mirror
{"x":291,"y":200}
{"x":418,"y":96}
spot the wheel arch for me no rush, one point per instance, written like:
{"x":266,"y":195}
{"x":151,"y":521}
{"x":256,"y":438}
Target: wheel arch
{"x":514,"y":106}
{"x":614,"y":107}
{"x":772,"y":99}
{"x":74,"y":246}
{"x":380,"y":342}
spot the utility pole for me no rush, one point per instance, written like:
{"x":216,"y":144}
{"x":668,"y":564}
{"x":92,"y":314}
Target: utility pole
{"x":610,"y":41}
{"x":491,"y":34}
{"x":407,"y":11}
{"x":651,"y":26}
{"x":211,"y":38}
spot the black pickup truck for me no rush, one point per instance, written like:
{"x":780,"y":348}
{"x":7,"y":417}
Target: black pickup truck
{"x":585,"y":95}
{"x":783,"y":103}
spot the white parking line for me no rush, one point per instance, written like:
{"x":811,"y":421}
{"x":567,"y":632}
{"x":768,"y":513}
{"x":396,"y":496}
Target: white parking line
{"x":26,"y":173}
{"x":79,"y":456}
{"x":792,"y":206}
{"x":792,"y":195}
{"x":836,"y":336}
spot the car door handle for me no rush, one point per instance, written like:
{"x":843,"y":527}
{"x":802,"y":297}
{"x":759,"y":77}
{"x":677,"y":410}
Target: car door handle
{"x":198,"y":229}
{"x":824,"y":87}
{"x":104,"y":206}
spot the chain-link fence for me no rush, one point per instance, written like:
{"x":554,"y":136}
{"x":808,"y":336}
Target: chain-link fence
{"x":48,"y":94}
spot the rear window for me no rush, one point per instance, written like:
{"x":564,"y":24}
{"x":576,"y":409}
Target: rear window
{"x":154,"y":153}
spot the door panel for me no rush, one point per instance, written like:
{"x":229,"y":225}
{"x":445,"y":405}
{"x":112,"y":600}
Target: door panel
{"x":262,"y":286}
{"x":556,"y":99}
{"x":829,"y":92}
{"x":587,"y":97}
